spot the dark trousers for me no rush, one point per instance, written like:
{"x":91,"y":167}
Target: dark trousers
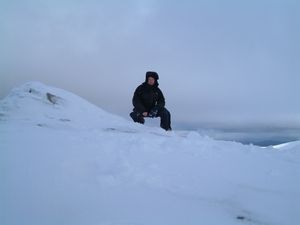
{"x":163,"y":113}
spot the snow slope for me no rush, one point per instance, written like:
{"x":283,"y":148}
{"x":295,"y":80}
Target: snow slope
{"x":63,"y":161}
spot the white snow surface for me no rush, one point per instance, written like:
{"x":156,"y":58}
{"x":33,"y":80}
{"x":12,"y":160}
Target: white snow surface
{"x":68,"y":162}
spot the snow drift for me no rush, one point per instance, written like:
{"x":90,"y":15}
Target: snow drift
{"x":64,"y":161}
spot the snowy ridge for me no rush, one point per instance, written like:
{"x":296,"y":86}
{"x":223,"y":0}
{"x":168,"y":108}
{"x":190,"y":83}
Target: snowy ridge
{"x":35,"y":101}
{"x":65,"y":161}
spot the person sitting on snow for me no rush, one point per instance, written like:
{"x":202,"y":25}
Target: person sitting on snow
{"x":148,"y":101}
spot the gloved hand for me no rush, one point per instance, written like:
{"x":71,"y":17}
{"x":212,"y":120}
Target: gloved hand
{"x":153,"y":112}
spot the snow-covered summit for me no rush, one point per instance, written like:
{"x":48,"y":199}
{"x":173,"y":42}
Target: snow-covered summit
{"x":66,"y":161}
{"x":36,"y":102}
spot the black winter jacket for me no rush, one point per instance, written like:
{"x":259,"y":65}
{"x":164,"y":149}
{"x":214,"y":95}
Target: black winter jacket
{"x":146,"y":97}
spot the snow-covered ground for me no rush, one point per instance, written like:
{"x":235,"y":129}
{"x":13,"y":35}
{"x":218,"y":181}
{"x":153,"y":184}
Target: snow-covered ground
{"x":64,"y":161}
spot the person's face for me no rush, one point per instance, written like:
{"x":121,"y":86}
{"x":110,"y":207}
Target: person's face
{"x":151,"y":81}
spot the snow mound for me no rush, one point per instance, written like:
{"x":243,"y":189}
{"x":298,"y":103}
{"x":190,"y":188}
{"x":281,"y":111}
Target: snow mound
{"x":65,"y":161}
{"x":288,"y":146}
{"x":49,"y":106}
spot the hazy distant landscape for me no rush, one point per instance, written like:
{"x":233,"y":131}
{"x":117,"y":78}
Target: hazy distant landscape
{"x":257,"y":135}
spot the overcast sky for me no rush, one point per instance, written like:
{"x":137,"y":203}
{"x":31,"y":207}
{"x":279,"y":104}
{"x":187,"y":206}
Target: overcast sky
{"x":222,"y":63}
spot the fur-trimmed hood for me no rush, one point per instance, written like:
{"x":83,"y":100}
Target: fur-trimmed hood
{"x":154,"y":75}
